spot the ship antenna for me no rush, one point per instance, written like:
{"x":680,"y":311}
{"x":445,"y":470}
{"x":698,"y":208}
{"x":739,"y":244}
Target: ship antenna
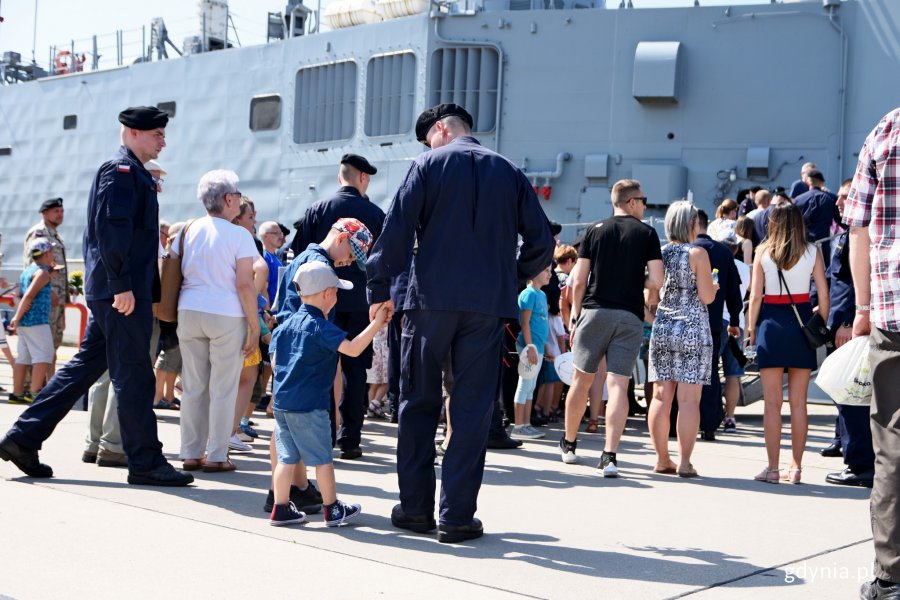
{"x":34,"y":32}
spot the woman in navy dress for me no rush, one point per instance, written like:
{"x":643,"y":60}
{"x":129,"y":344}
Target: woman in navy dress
{"x":773,"y":326}
{"x":680,"y":344}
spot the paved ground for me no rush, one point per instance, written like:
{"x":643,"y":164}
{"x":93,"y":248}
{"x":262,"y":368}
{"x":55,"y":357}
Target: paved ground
{"x":552,"y":530}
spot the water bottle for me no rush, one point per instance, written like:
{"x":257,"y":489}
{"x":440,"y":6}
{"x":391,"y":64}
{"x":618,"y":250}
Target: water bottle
{"x":750,"y":353}
{"x":715,"y":276}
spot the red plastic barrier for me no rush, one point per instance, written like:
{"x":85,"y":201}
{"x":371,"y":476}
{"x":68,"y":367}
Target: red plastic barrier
{"x":81,"y":308}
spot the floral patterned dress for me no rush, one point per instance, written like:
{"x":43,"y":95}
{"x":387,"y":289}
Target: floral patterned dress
{"x":680,"y":343}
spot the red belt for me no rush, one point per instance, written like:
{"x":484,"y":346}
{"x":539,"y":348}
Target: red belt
{"x":785,"y":299}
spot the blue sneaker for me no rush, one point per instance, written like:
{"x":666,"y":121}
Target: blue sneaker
{"x":340,"y":513}
{"x":286,"y":514}
{"x":247,"y":430}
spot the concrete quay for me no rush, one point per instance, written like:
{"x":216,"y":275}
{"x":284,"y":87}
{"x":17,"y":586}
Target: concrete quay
{"x":552,"y":530}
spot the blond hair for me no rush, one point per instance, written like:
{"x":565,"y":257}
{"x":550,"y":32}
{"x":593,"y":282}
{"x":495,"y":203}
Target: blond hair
{"x":621,"y":191}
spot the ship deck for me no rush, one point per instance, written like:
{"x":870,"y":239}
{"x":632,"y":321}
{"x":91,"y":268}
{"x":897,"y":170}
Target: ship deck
{"x":552,"y":530}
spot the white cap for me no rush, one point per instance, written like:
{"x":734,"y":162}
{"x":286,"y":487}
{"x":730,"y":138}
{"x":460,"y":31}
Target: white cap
{"x":152,"y":165}
{"x":313,"y":277}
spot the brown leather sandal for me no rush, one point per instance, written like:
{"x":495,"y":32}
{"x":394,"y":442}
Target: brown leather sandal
{"x":592,"y":426}
{"x":192,"y":464}
{"x":221,"y":467}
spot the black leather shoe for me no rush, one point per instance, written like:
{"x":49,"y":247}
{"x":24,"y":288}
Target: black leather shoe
{"x":850,"y":477}
{"x":832,"y":450}
{"x":452,"y":534}
{"x":417,"y":523}
{"x":879,"y":590}
{"x":164,"y":475}
{"x":503,"y":443}
{"x":708,"y":436}
{"x":351,"y":453}
{"x":27,"y":460}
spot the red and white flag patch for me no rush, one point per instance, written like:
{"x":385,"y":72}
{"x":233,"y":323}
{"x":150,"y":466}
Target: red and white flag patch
{"x":124,"y":168}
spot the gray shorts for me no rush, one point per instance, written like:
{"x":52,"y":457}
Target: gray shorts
{"x":615,"y":334}
{"x":35,"y":345}
{"x":169,"y":360}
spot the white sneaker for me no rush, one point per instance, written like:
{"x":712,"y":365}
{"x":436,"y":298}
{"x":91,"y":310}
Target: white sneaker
{"x":607,"y":465}
{"x":537,"y":433}
{"x":524,"y":432}
{"x":567,"y":451}
{"x":244,"y":437}
{"x":236,"y":444}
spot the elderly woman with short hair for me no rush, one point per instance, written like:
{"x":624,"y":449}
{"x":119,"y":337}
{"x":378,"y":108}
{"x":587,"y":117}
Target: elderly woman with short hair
{"x":680,"y":343}
{"x":217,"y":321}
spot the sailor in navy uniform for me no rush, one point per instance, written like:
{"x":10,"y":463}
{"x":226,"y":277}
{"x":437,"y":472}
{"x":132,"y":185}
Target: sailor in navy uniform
{"x":121,"y":281}
{"x":853,"y":421}
{"x":352,"y":309}
{"x":465,"y":206}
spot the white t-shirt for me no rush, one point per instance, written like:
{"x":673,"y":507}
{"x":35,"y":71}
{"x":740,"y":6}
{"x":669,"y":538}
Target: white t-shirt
{"x":209,"y":265}
{"x":744,"y":271}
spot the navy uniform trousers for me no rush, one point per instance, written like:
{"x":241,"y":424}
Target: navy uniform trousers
{"x":355,"y":399}
{"x":119,"y":342}
{"x":473,"y":340}
{"x":853,"y":431}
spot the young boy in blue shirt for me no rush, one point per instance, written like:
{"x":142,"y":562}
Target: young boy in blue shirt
{"x":346,"y":240}
{"x":32,"y":324}
{"x":531,"y":343}
{"x":305,"y":351}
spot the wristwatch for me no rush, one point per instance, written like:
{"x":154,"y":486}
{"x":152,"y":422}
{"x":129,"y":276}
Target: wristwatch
{"x":863,"y":307}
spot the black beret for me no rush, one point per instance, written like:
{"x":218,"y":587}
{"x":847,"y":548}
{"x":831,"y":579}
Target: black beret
{"x":284,"y":230}
{"x":358,"y":162}
{"x":817,"y":175}
{"x":435,"y":114}
{"x":51,"y":203}
{"x":555,"y":228}
{"x":143,"y":117}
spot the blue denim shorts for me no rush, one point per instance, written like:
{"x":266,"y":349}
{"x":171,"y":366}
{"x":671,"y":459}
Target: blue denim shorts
{"x":303,"y":436}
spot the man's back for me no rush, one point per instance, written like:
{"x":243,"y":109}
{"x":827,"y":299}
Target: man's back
{"x":619,"y":249}
{"x":469,"y":204}
{"x":819,"y":210}
{"x":721,"y":258}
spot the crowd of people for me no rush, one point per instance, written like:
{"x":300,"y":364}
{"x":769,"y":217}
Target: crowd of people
{"x":251,"y":310}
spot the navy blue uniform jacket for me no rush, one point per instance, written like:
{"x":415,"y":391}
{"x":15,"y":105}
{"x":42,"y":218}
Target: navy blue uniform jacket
{"x":721,"y":258}
{"x":819,"y":210}
{"x":121,"y":240}
{"x":841,"y":292}
{"x":316,"y":223}
{"x":466,"y":205}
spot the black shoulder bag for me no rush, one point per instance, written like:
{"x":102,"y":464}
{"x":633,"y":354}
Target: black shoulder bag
{"x":814,"y":331}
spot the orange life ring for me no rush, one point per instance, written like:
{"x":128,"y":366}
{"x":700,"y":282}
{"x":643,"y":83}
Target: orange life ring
{"x":66,"y":62}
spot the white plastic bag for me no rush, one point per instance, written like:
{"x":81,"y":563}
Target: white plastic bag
{"x":527,"y":370}
{"x":846,"y":374}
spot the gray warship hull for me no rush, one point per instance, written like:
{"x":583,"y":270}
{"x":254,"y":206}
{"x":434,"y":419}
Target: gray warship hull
{"x":697,"y":101}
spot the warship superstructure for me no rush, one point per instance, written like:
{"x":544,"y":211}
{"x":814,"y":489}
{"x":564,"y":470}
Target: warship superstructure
{"x":696,"y":101}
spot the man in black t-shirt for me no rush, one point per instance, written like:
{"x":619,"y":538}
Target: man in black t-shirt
{"x":608,"y":312}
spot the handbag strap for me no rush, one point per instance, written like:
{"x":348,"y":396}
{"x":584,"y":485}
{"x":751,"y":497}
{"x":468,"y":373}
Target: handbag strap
{"x":791,"y":298}
{"x":181,"y":238}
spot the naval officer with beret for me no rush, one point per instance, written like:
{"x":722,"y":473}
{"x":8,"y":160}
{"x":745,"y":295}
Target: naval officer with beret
{"x":121,"y":281}
{"x":52,"y":214}
{"x":352,"y":309}
{"x":466,"y":206}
